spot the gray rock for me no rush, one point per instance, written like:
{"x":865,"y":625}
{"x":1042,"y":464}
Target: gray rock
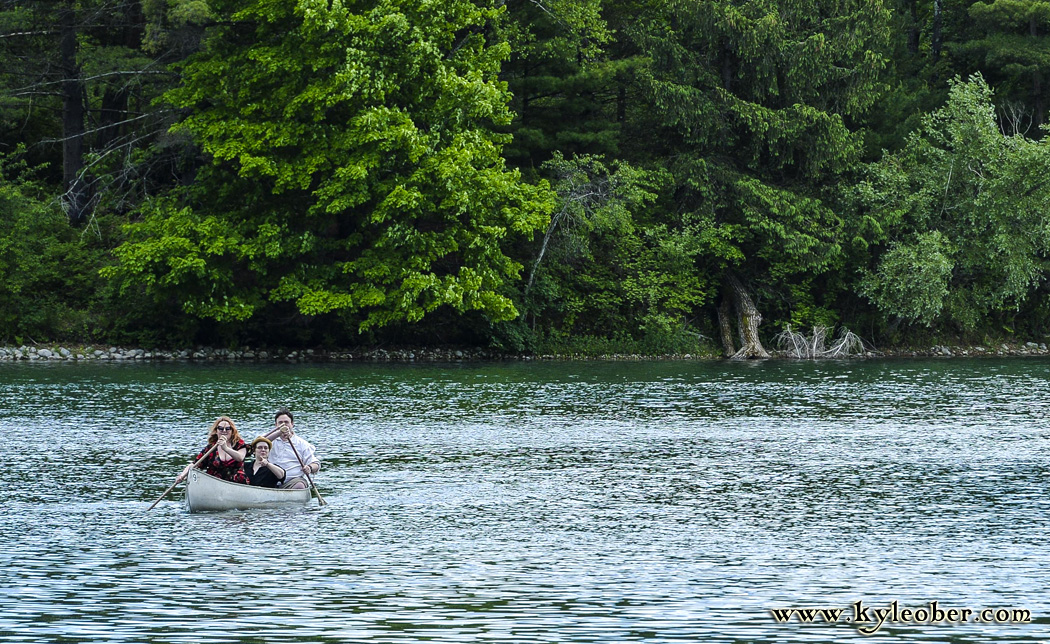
{"x":45,"y":353}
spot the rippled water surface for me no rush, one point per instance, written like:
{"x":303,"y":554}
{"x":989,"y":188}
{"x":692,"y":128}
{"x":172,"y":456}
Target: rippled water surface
{"x":522,"y":502}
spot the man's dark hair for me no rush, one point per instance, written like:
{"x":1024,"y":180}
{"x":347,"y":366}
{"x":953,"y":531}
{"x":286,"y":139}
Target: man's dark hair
{"x":283,"y":412}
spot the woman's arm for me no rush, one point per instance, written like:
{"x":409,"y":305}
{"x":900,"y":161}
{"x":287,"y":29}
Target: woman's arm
{"x":230,"y":454}
{"x":277,"y":471}
{"x":201,"y":465}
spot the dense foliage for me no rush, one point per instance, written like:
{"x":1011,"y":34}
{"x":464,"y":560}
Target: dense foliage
{"x":566,"y":175}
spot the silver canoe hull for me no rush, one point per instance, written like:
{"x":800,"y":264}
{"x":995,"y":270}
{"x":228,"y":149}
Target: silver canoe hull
{"x":205,"y":493}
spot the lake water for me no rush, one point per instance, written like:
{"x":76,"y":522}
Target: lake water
{"x":534,"y":502}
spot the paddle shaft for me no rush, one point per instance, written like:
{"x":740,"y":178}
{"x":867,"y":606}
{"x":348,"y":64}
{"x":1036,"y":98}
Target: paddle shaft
{"x":199,"y":461}
{"x":306,"y":472}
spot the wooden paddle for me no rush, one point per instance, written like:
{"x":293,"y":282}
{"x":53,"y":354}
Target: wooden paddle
{"x":199,"y":461}
{"x":306,"y":472}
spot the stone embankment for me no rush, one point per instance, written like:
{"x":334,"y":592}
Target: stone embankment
{"x":209,"y":354}
{"x":1001,"y":349}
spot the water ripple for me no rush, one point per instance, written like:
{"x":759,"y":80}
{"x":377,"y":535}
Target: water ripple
{"x":602,"y":502}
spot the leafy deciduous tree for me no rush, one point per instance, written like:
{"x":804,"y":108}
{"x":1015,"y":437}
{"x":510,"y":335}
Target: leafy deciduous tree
{"x":356,"y":168}
{"x":963,"y":209}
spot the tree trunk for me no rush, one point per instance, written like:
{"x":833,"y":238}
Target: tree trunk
{"x":727,"y":67}
{"x":1037,"y":84}
{"x":935,"y":41}
{"x":75,"y":198}
{"x":555,"y":220}
{"x":115,"y":99}
{"x":112,"y":110}
{"x":726,"y":325}
{"x":913,"y":27}
{"x":748,"y":320}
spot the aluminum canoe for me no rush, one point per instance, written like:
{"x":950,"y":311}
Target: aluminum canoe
{"x":205,"y":493}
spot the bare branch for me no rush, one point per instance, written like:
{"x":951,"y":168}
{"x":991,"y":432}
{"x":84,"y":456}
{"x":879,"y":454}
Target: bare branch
{"x":797,"y":345}
{"x":34,"y":93}
{"x":545,"y":9}
{"x":28,"y":33}
{"x":1015,"y":118}
{"x":96,"y":77}
{"x":107,"y":126}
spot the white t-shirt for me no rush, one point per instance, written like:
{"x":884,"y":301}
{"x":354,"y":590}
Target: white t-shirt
{"x":283,"y":457}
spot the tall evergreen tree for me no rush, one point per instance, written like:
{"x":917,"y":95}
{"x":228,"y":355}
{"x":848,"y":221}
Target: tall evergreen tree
{"x":756,"y":108}
{"x":565,"y":79}
{"x":1012,"y":52}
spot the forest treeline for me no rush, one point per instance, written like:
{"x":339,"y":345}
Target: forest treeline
{"x":576,"y":176}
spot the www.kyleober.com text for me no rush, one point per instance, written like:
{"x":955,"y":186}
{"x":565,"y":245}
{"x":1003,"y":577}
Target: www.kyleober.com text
{"x":869,"y":620}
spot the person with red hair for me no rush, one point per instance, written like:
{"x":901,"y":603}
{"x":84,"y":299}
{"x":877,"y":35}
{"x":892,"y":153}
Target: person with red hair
{"x":226,"y":461}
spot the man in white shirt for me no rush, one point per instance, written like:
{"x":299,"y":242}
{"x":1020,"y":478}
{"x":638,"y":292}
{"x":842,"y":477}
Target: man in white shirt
{"x":284,"y":456}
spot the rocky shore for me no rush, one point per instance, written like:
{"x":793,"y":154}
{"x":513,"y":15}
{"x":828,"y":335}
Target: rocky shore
{"x":1001,"y":349}
{"x":58,"y":353}
{"x":210,"y":354}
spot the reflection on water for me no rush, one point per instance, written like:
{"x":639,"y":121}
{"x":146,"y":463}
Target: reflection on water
{"x":589,"y":502}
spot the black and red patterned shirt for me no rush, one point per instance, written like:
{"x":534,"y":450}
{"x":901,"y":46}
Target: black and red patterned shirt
{"x":231,"y":470}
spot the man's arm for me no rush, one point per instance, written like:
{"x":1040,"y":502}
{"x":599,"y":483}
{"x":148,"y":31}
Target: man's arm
{"x":313,"y":464}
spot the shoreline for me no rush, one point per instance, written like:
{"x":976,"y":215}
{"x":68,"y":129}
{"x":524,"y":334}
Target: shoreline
{"x":110,"y":353}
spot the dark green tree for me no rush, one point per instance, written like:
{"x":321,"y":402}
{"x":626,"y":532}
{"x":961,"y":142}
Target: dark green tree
{"x":756,"y":109}
{"x":1013,"y":53}
{"x":567,"y":77}
{"x":78,"y":90}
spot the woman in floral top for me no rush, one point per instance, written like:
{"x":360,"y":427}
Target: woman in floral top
{"x":227,"y":461}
